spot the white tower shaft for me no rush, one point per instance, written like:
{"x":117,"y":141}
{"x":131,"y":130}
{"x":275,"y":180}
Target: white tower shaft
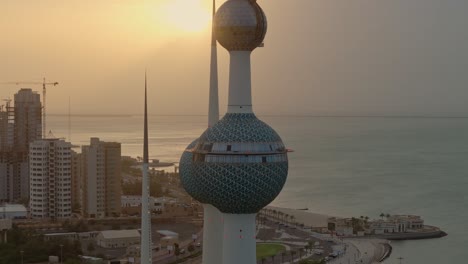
{"x":240,"y":94}
{"x":213,"y":109}
{"x":213,"y":222}
{"x":146,"y":246}
{"x":212,"y":235}
{"x":239,"y":244}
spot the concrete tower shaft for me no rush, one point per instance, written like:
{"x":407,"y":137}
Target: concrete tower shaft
{"x":146,"y":244}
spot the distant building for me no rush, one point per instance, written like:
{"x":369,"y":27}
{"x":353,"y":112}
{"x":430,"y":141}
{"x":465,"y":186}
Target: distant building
{"x":72,"y":236}
{"x":131,"y":204}
{"x":13,"y":211}
{"x":410,"y":221}
{"x":168,"y":238}
{"x":118,"y":238}
{"x":19,"y":126}
{"x":50,"y":174}
{"x":76,"y":179}
{"x":341,"y":226}
{"x":28,"y":119}
{"x":101,"y":172}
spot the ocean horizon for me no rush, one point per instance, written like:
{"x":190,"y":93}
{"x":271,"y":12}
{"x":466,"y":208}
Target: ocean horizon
{"x":341,"y":166}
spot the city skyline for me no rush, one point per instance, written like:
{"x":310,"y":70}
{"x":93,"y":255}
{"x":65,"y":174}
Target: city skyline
{"x":347,"y":60}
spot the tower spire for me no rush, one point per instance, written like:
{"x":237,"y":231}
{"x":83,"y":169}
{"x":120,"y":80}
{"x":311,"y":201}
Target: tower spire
{"x":213,"y":109}
{"x":145,"y":140}
{"x":146,"y":245}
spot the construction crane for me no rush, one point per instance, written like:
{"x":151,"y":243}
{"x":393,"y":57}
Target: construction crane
{"x":44,"y":85}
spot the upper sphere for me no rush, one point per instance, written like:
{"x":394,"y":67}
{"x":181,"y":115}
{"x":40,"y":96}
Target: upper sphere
{"x":240,"y":25}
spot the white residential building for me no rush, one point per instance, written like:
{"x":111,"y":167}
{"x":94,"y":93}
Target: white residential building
{"x":50,"y":178}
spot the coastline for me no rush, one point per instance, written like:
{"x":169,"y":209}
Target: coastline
{"x":368,"y":249}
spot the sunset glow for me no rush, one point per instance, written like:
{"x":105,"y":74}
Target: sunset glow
{"x":186,"y":15}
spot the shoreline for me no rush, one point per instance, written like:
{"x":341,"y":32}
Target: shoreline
{"x":369,"y":249}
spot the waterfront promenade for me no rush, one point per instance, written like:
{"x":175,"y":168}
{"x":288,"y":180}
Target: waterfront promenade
{"x":354,"y":250}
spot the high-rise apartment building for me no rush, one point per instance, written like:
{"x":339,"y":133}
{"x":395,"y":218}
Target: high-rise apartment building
{"x":19,"y":126}
{"x":28,"y":119}
{"x":50,"y":179}
{"x":76,"y":180}
{"x":101,"y":172}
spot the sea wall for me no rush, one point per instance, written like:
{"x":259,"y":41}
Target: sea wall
{"x":433,"y":233}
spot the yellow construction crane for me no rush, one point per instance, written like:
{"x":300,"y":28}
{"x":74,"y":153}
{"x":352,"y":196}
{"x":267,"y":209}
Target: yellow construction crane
{"x":44,"y":85}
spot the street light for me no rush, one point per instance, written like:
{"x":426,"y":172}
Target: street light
{"x":22,"y":251}
{"x":61,"y":254}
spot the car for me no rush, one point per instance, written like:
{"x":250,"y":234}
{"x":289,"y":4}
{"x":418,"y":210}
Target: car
{"x":198,"y":244}
{"x":182,"y":251}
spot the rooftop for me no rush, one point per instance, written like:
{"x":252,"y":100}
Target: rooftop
{"x":112,"y":234}
{"x":8,"y":208}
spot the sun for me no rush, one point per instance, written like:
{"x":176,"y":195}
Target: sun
{"x":186,"y":15}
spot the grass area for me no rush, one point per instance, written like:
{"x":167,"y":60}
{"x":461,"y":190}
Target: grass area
{"x":268,"y":250}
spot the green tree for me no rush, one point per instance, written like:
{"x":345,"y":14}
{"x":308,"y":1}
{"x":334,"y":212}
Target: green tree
{"x":176,"y":249}
{"x":191,"y":248}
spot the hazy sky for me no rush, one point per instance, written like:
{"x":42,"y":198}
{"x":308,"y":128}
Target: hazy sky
{"x":320,"y":56}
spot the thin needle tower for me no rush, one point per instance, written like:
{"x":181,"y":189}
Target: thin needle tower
{"x":146,"y":256}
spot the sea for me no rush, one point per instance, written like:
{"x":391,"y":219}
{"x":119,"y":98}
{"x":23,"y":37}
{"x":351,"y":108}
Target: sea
{"x":341,"y":166}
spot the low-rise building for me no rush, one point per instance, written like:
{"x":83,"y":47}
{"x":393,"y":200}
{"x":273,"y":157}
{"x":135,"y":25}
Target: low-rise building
{"x":72,"y":236}
{"x":13,"y":211}
{"x":118,"y":238}
{"x":131,"y":204}
{"x":341,"y":226}
{"x":410,"y":221}
{"x":168,"y":238}
{"x":379,"y":227}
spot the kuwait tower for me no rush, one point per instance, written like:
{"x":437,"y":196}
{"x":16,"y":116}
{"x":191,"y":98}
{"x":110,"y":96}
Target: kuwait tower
{"x":239,"y":165}
{"x":212,"y":217}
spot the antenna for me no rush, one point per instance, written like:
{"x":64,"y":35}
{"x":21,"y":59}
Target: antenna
{"x":69,"y":119}
{"x":146,"y":245}
{"x":213,"y":104}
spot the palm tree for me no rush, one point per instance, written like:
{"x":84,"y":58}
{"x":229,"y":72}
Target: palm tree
{"x":388,"y":216}
{"x":263,"y":260}
{"x":382,"y":215}
{"x":311,"y":245}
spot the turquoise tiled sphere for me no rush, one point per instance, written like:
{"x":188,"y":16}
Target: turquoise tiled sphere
{"x":190,"y":183}
{"x":236,"y":181}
